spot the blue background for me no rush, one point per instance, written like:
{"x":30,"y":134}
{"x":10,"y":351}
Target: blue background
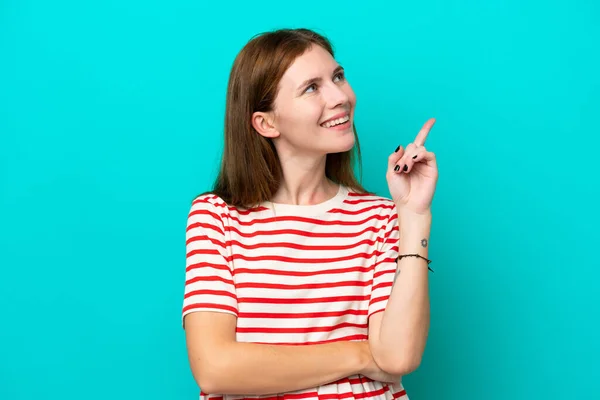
{"x":111,"y":119}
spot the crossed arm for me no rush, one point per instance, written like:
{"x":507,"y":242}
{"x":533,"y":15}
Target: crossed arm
{"x":397,"y":338}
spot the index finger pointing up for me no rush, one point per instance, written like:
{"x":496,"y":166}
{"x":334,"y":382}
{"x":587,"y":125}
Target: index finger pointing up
{"x":422,"y":135}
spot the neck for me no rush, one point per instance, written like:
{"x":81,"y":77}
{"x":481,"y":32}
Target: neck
{"x":304,"y":183}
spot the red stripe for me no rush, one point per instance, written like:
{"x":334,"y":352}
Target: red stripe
{"x":393,"y":217}
{"x":215,"y":217}
{"x":301,"y":330}
{"x":390,"y":270}
{"x":248,"y":211}
{"x":208,"y":292}
{"x":378,"y":299}
{"x":340,"y":339}
{"x":381,"y":285}
{"x":200,"y":238}
{"x":222,"y":267}
{"x":208,"y":279}
{"x":358,"y":381}
{"x":296,"y":246}
{"x":311,"y":221}
{"x":193,"y":225}
{"x":295,"y":260}
{"x":355,"y":194}
{"x":362,"y":210}
{"x":301,"y":232}
{"x":263,"y":300}
{"x":210,"y":199}
{"x":345,"y":395}
{"x":301,"y":273}
{"x":360,"y":201}
{"x":389,"y":233}
{"x":321,"y":314}
{"x":259,"y":285}
{"x":218,"y":202}
{"x":392,"y":241}
{"x":292,"y":260}
{"x":212,"y":396}
{"x":307,"y":395}
{"x":288,"y":245}
{"x":376,"y":311}
{"x":209,"y":306}
{"x":212,"y":252}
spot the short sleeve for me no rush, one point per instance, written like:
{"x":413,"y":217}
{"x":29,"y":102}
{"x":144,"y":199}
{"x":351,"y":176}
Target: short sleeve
{"x":209,"y":284}
{"x":385,"y":265}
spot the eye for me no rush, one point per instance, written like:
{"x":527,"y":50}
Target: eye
{"x":339,"y":76}
{"x":314,"y":86}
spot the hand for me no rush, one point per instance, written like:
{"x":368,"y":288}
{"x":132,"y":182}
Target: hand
{"x":372,"y":370}
{"x":412,"y":174}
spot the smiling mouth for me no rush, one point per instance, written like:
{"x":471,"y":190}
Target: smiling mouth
{"x":337,"y":122}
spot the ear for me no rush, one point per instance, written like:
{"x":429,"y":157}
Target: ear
{"x":264,"y":124}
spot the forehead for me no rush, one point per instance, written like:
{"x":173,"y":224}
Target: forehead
{"x":315,"y":62}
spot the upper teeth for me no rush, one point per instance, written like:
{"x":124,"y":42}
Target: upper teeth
{"x":334,"y":122}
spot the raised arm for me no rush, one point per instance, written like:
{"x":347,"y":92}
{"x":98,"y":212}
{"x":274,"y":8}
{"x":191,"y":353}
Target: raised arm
{"x":398,"y":334}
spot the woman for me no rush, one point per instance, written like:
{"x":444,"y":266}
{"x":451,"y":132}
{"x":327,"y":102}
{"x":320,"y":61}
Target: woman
{"x":292,"y":281}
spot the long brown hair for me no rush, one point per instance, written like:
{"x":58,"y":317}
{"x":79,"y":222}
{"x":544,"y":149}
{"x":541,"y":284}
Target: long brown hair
{"x":250,"y":170}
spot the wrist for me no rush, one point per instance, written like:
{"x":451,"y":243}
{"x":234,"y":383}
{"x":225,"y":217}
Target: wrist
{"x":411,"y":224}
{"x":415,"y":229}
{"x":410,"y":214}
{"x":363,"y":356}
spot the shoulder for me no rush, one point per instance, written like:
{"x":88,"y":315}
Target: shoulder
{"x":372,"y":201}
{"x":208,"y":207}
{"x":209,"y":200}
{"x":380,"y":210}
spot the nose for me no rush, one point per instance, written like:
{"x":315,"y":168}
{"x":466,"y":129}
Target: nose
{"x":335,"y":96}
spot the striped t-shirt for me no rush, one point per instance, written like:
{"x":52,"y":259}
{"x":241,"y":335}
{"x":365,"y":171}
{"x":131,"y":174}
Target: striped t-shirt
{"x":295,"y":274}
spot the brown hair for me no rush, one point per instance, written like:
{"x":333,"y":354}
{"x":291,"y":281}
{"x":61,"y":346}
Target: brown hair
{"x":250,"y":170}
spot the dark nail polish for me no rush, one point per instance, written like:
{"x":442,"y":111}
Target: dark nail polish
{"x":405,"y":168}
{"x":415,"y":156}
{"x":397,"y":168}
{"x":397,"y":148}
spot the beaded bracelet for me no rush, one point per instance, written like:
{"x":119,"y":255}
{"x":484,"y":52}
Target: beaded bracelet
{"x":415,"y":255}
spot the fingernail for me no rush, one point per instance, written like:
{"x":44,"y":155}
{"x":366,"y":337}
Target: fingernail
{"x":397,"y":148}
{"x":405,"y":168}
{"x":397,"y":168}
{"x":415,"y":156}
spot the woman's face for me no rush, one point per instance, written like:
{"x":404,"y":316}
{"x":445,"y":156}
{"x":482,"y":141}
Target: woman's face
{"x":314,"y":107}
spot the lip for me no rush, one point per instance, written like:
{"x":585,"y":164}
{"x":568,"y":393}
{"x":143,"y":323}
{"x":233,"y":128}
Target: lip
{"x":340,"y":115}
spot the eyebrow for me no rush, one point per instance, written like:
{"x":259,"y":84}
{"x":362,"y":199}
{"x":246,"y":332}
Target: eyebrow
{"x":310,"y":81}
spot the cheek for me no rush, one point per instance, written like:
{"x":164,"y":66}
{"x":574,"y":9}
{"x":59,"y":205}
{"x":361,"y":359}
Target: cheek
{"x":298,"y":118}
{"x":308,"y":113}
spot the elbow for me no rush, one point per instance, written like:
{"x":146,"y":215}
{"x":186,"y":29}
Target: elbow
{"x":207,"y":383}
{"x":210,"y":376}
{"x":397,"y":364}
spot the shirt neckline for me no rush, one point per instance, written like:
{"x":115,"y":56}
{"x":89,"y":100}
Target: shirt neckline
{"x":312,"y":209}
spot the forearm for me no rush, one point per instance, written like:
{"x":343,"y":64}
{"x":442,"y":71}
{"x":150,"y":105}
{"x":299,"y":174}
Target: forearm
{"x":405,"y":321}
{"x":258,"y":369}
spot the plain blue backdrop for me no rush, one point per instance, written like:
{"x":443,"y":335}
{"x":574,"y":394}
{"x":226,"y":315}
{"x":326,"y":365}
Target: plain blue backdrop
{"x":111,"y":117}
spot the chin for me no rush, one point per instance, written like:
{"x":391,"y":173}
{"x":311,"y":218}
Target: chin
{"x":343,"y":146}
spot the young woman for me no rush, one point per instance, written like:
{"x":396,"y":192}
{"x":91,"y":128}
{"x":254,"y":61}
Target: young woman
{"x":293,"y":286}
